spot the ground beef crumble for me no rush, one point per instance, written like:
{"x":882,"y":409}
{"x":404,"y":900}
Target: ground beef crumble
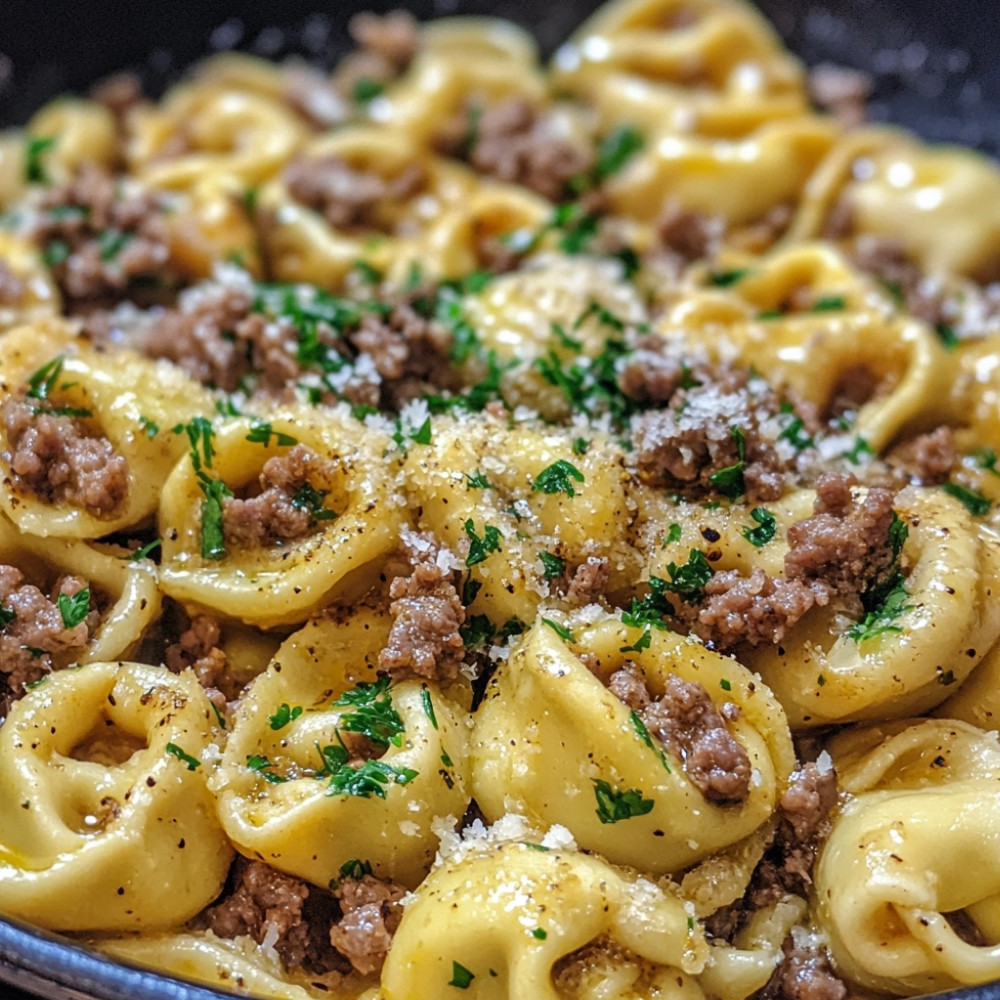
{"x":99,"y":237}
{"x":804,"y":973}
{"x":198,"y":647}
{"x":319,"y":932}
{"x":701,"y":428}
{"x":835,"y":554}
{"x":587,"y":582}
{"x":427,"y":613}
{"x":273,"y":516}
{"x":842,"y":91}
{"x":387,"y":43}
{"x":60,"y":459}
{"x":687,"y":723}
{"x":925,"y":460}
{"x":350,"y":200}
{"x":35,"y":634}
{"x":511,"y":141}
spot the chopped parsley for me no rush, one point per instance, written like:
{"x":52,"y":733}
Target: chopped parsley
{"x":112,"y":241}
{"x":261,"y":433}
{"x":986,"y":458}
{"x":461,"y":977}
{"x":614,"y":805}
{"x":794,"y":431}
{"x":308,"y":498}
{"x":374,"y":715}
{"x":55,"y":252}
{"x":362,"y":780}
{"x":477,"y":630}
{"x":723,"y":279}
{"x":185,"y":758}
{"x":366,"y":89}
{"x":34,"y":168}
{"x":481,"y":547}
{"x":151,"y":428}
{"x":729,"y":481}
{"x":560,"y":630}
{"x":213,"y":535}
{"x":673,"y":535}
{"x":558,"y":478}
{"x":284,"y":715}
{"x":425,"y":700}
{"x":368,"y":274}
{"x":640,"y":644}
{"x":725,"y":685}
{"x":42,"y":382}
{"x":946,"y":334}
{"x":74,"y":609}
{"x":616,"y":149}
{"x":651,"y":608}
{"x":861,"y":447}
{"x":767,"y":526}
{"x":477,"y":481}
{"x":355,"y":869}
{"x":539,"y":934}
{"x":7,"y":615}
{"x":975,"y":503}
{"x":553,"y":566}
{"x":262,"y":766}
{"x":644,"y":734}
{"x":581,"y":444}
{"x":688,"y":581}
{"x":829,"y":303}
{"x":885,"y":601}
{"x":564,"y":339}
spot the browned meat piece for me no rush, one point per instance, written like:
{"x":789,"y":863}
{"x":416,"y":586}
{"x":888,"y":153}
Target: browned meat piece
{"x":198,"y":648}
{"x":702,"y":433}
{"x":59,"y":459}
{"x":349,"y":199}
{"x":588,"y":582}
{"x":689,"y":236}
{"x":650,"y":376}
{"x":98,"y":236}
{"x":393,"y":37}
{"x":844,"y":547}
{"x":274,"y":515}
{"x":842,"y":91}
{"x":313,"y":96}
{"x":805,"y":973}
{"x":427,"y":614}
{"x":687,"y":723}
{"x":754,"y":609}
{"x":12,"y":288}
{"x":887,"y":260}
{"x":371,"y":914}
{"x":806,"y":803}
{"x":34,"y":631}
{"x":264,"y":903}
{"x":511,"y":141}
{"x":927,"y":459}
{"x":119,"y":93}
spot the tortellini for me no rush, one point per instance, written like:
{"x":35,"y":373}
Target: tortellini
{"x":107,"y":822}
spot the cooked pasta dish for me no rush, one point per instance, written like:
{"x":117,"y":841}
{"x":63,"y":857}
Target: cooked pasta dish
{"x":476,"y":528}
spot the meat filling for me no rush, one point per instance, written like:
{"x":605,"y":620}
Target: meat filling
{"x":687,"y":723}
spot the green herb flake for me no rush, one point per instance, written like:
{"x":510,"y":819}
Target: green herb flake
{"x":558,"y":478}
{"x":481,"y":547}
{"x":112,"y":241}
{"x":688,"y":581}
{"x":425,"y":700}
{"x":580,"y":446}
{"x":308,"y":498}
{"x":861,"y":448}
{"x":374,"y":715}
{"x":42,"y":382}
{"x":640,"y":644}
{"x":477,"y":630}
{"x":461,"y":977}
{"x":947,"y":336}
{"x":366,"y":89}
{"x":539,"y":934}
{"x":213,"y":535}
{"x":725,"y":685}
{"x":765,"y":530}
{"x":355,"y":869}
{"x":7,"y":615}
{"x":975,"y":503}
{"x":885,"y":601}
{"x":729,"y":481}
{"x":262,"y":766}
{"x":446,"y":760}
{"x":616,"y":149}
{"x":422,"y":435}
{"x":614,"y":805}
{"x":564,"y":339}
{"x":55,"y":252}
{"x":673,"y":535}
{"x":644,"y":734}
{"x":74,"y":609}
{"x":261,"y":432}
{"x":560,"y":630}
{"x":723,"y":279}
{"x":284,"y":715}
{"x":185,"y":758}
{"x":553,"y":566}
{"x":829,"y":303}
{"x":34,"y":151}
{"x":151,"y":428}
{"x":146,"y":551}
{"x":367,"y":273}
{"x":986,"y":458}
{"x":363,"y":781}
{"x":477,"y":481}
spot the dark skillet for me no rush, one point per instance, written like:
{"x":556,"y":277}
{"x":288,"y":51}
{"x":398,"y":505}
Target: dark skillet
{"x":935,"y":71}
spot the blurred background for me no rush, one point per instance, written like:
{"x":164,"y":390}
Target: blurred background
{"x":934,"y":64}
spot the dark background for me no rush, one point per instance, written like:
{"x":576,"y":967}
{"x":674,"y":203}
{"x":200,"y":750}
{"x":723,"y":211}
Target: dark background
{"x":935,"y":65}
